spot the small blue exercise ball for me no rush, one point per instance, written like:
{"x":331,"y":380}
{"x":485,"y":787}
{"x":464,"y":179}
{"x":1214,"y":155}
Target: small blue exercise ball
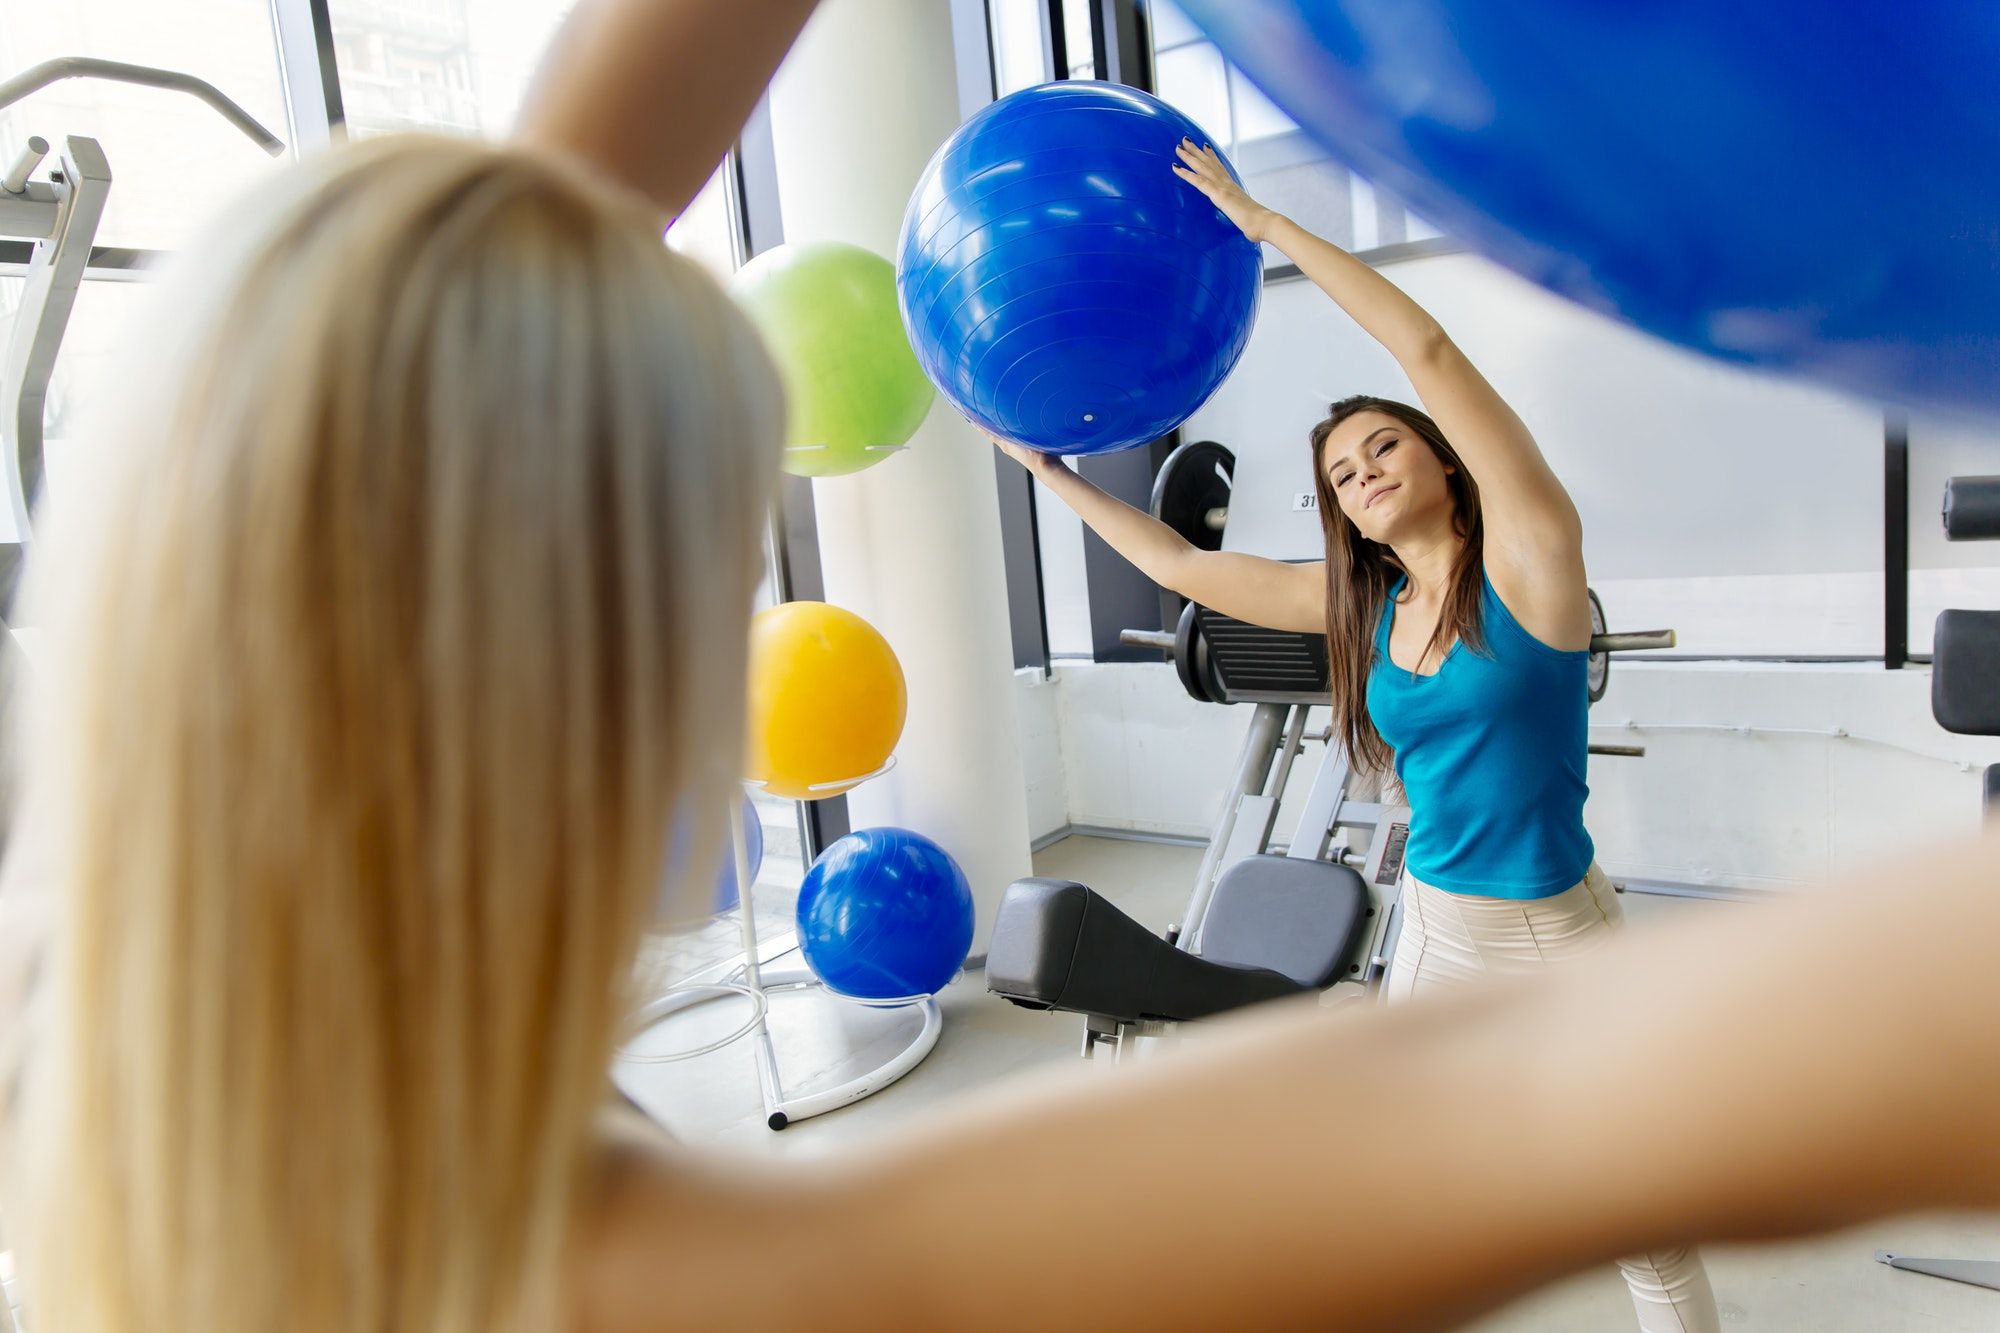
{"x":1807,"y":186}
{"x":1061,"y":286}
{"x":675,"y":906}
{"x":726,"y":896}
{"x":885,"y":914}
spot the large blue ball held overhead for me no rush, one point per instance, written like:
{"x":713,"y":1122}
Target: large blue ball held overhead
{"x":1061,"y":286}
{"x":885,"y":915}
{"x":1796,"y":184}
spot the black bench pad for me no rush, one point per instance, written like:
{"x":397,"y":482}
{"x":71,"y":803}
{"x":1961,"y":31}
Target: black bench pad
{"x":1273,"y":930}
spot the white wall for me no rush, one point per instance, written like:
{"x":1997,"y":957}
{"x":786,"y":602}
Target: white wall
{"x":1138,"y":753}
{"x":1038,"y":712}
{"x":1771,"y":811}
{"x":1768,"y":809}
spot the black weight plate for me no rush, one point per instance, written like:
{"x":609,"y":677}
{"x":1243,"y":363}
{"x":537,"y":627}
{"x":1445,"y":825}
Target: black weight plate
{"x":1599,"y":669}
{"x":1210,"y":669}
{"x":1194,"y":480}
{"x":1188,"y":649}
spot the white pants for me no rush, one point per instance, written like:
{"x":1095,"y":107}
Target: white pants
{"x":1449,"y":939}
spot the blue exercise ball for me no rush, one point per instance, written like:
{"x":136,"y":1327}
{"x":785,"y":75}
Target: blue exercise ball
{"x":726,"y":896}
{"x":1808,"y":186}
{"x":1061,"y":286}
{"x":674,"y":905}
{"x":885,"y":914}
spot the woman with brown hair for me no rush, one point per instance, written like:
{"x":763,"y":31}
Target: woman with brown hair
{"x":1457,"y":626}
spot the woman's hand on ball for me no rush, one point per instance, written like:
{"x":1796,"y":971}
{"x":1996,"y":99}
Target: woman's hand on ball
{"x":1202,"y":168}
{"x":1031,"y":459}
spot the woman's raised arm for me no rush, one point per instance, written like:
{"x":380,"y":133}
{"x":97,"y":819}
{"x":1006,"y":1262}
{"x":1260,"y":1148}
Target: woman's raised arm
{"x":653,"y":92}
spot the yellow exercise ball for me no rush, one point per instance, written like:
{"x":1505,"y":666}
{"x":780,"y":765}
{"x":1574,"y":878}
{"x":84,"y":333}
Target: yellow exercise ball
{"x":826,"y":700}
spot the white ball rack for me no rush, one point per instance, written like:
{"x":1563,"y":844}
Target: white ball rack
{"x":756,"y":982}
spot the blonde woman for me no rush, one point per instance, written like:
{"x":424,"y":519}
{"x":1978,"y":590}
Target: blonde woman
{"x":380,"y":648}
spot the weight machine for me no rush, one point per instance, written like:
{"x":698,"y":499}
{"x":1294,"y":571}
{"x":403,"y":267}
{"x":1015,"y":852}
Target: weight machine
{"x":58,"y":216}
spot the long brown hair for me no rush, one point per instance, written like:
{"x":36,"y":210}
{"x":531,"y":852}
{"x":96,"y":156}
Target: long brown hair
{"x":1359,"y":573}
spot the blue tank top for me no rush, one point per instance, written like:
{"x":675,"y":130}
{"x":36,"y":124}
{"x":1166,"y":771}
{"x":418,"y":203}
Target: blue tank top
{"x":1491,"y":752}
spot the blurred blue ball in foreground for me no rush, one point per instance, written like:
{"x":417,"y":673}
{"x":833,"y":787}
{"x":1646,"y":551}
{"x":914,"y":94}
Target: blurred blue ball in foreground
{"x":1795,"y":184}
{"x":1061,"y":286}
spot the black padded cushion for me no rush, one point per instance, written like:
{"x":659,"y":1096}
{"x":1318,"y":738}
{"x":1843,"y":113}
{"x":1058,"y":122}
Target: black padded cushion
{"x":1965,"y":672}
{"x":1296,"y":917}
{"x":1972,"y":509}
{"x":1059,"y":945}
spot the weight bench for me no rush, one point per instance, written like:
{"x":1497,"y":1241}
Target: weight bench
{"x":1276,"y":926}
{"x":1257,"y":926}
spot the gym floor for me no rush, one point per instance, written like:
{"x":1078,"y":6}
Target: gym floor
{"x":1829,"y":1284}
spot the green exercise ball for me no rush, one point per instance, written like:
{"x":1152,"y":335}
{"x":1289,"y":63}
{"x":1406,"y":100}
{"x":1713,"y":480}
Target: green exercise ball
{"x":828,"y":313}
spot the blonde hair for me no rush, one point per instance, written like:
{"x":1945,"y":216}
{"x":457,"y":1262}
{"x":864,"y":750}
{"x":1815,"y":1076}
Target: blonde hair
{"x":408,"y":608}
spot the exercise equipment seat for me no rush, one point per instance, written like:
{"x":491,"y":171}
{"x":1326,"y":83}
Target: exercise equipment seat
{"x":1276,"y":926}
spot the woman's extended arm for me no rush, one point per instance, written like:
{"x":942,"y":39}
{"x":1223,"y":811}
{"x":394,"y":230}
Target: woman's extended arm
{"x":1529,"y":517}
{"x":653,"y":92}
{"x":1404,"y":1168}
{"x":1263,"y":592}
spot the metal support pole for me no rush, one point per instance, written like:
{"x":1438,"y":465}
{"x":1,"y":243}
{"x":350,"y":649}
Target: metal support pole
{"x":303,"y":30}
{"x":24,"y":166}
{"x":1974,"y":1272}
{"x":41,"y":76}
{"x":1895,"y":542}
{"x":48,"y":296}
{"x":1121,"y":37}
{"x":1253,"y":767}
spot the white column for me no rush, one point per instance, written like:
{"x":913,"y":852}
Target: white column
{"x":913,"y":543}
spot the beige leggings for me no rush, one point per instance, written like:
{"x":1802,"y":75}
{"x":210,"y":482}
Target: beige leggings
{"x":1449,"y":939}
